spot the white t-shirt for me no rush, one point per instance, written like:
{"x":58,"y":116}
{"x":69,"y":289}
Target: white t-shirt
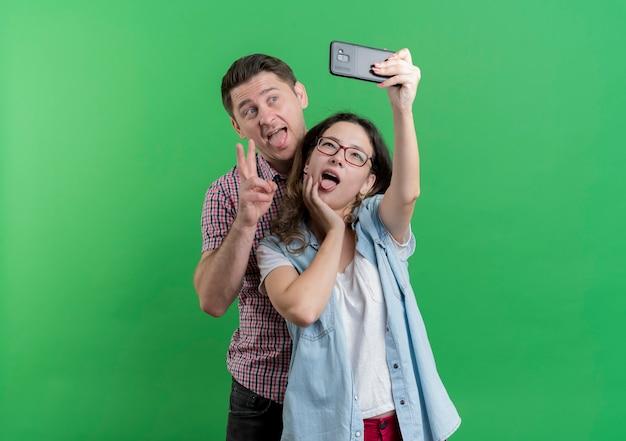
{"x":362,"y":312}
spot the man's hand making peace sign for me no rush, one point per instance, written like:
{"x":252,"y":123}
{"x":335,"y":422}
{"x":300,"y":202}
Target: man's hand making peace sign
{"x":255,"y":194}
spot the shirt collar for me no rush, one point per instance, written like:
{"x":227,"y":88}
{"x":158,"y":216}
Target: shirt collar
{"x":266,"y":171}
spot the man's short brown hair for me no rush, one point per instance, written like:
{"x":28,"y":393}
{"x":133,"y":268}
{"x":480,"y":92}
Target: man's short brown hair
{"x":247,"y":67}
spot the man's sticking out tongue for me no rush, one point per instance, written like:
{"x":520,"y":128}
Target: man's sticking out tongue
{"x":328,"y":182}
{"x":278,"y":138}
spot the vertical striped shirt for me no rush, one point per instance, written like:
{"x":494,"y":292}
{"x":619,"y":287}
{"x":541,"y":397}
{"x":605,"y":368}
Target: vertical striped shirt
{"x":260,"y":348}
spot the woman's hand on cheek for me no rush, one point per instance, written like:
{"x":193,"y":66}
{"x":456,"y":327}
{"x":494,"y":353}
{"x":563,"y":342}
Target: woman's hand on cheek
{"x":321,"y":213}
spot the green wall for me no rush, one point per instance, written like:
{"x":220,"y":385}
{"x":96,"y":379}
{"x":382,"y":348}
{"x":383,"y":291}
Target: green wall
{"x":111,"y":129}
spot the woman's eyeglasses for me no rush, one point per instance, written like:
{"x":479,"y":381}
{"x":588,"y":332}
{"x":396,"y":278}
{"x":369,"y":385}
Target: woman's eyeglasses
{"x":353,"y":155}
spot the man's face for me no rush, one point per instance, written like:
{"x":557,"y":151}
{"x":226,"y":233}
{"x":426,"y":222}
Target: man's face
{"x":267,"y":110}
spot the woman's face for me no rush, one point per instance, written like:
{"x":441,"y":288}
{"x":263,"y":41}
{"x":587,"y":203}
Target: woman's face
{"x":338,"y":180}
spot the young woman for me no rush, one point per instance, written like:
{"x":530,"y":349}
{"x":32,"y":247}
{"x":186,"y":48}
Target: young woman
{"x":335,"y":268}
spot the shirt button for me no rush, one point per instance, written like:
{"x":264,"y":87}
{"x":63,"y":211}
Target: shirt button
{"x":356,"y":398}
{"x":402,"y":402}
{"x":395,"y":365}
{"x":358,"y":434}
{"x":387,"y":328}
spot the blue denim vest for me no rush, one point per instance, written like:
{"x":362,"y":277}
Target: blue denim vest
{"x":320,"y":401}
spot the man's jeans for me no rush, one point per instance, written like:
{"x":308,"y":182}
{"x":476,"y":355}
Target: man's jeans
{"x":253,"y":418}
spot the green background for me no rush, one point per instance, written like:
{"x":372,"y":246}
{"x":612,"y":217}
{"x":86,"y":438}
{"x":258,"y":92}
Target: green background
{"x":111,"y":129}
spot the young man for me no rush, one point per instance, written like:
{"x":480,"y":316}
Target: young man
{"x":265,"y":103}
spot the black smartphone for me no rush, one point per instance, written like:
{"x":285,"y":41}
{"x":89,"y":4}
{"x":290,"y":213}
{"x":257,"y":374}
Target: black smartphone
{"x":355,"y":61}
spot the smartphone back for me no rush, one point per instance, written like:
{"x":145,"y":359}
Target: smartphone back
{"x":355,"y":61}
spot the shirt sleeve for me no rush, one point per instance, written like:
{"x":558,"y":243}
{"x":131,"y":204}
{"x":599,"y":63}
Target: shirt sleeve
{"x":268,"y":260}
{"x":404,"y":249}
{"x":218,"y":214}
